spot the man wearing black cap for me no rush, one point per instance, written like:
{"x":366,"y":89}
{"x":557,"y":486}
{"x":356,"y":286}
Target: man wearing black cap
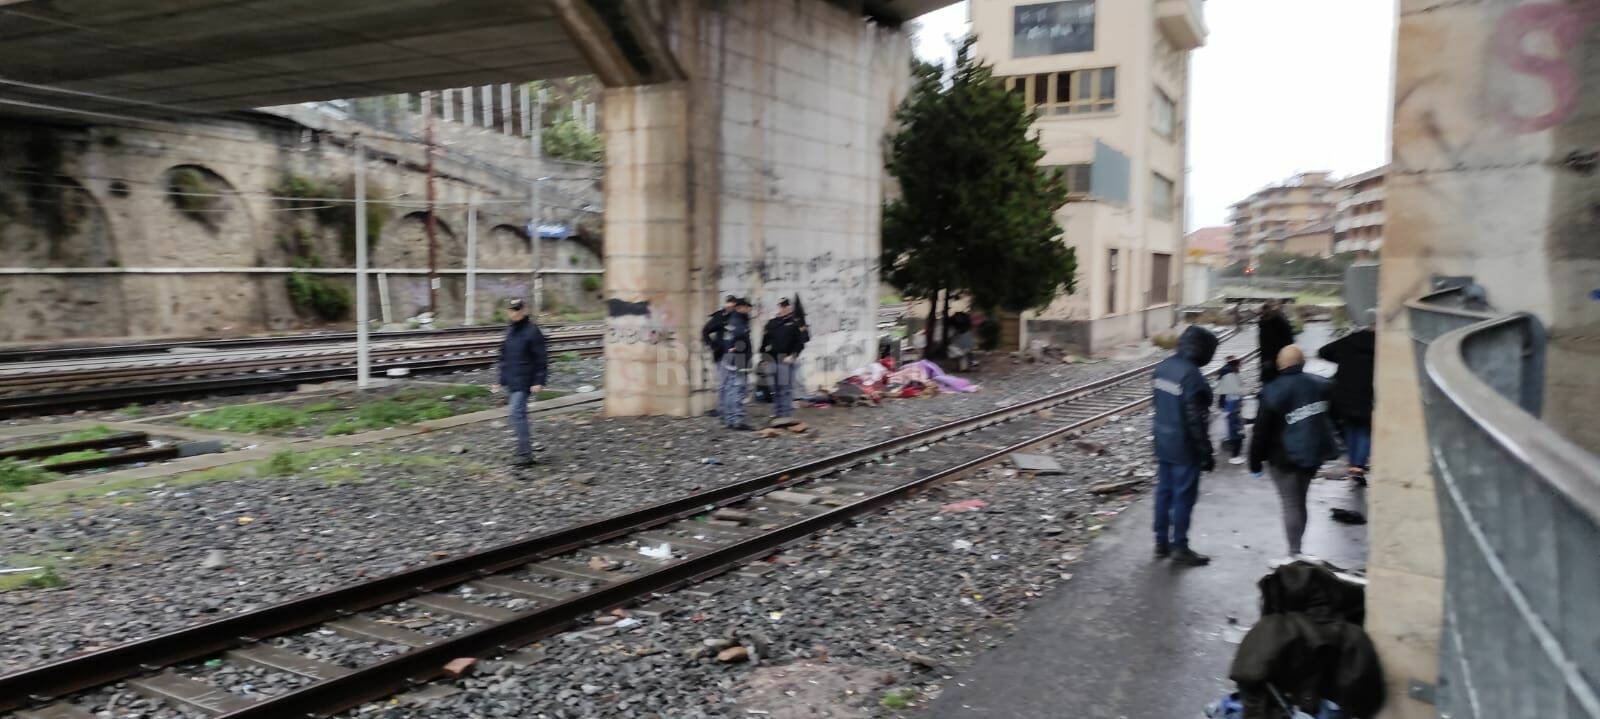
{"x":734,"y":341}
{"x":782,"y":340}
{"x":523,"y":370}
{"x":711,"y":335}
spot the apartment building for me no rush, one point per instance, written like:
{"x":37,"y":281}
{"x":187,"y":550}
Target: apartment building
{"x":1268,"y":218}
{"x":1108,"y":81}
{"x":1358,"y":220}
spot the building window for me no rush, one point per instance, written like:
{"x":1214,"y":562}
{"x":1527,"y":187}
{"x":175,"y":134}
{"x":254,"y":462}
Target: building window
{"x":1052,"y":28}
{"x":1160,"y":277}
{"x":1073,"y":92}
{"x":1111,"y":282}
{"x":1077,"y":178}
{"x":1161,"y":197}
{"x":1165,"y":114}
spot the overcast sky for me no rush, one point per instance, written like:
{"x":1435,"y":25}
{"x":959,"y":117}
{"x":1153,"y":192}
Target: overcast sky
{"x":1281,"y":86}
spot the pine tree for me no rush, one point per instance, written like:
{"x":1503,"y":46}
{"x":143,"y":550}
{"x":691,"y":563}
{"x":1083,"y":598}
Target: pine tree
{"x":976,"y":214}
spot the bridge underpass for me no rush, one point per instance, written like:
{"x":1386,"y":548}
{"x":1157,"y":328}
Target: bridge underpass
{"x":743,"y":139}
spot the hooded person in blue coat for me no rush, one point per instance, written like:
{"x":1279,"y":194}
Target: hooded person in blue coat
{"x":1182,"y":400}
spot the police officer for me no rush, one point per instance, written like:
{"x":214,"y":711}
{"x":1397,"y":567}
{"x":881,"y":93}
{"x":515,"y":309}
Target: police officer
{"x":711,"y":335}
{"x":784,"y":337}
{"x":523,"y":369}
{"x":1183,"y":442}
{"x":734,"y":340}
{"x":1293,"y":437}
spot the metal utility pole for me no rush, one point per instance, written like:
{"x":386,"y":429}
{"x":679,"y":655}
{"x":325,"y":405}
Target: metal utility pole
{"x":363,"y":351}
{"x":472,"y":254}
{"x":535,"y":153}
{"x":432,"y":223}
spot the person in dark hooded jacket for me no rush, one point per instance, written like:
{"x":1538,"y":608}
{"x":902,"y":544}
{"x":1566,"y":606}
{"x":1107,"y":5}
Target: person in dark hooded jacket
{"x":1352,"y":395}
{"x":1182,"y":400}
{"x":1294,"y":436}
{"x":1274,"y":332}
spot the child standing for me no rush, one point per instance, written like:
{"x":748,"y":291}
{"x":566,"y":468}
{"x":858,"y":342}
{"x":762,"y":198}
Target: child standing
{"x":1230,"y":399}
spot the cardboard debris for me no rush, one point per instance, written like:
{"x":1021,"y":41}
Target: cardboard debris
{"x":1036,"y":463}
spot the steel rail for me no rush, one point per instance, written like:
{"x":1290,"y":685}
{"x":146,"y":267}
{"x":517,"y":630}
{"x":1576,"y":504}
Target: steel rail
{"x":31,"y":451}
{"x":50,"y":352}
{"x":153,"y":387}
{"x":84,"y":671}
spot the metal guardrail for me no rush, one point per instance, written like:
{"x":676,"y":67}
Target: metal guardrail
{"x":1519,"y":510}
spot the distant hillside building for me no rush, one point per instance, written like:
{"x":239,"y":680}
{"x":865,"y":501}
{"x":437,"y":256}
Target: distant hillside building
{"x":1358,"y":220}
{"x":1264,"y":220}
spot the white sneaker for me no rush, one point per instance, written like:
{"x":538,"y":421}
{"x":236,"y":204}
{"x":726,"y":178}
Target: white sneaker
{"x":1236,"y":460}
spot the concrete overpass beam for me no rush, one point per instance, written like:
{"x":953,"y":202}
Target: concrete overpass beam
{"x":748,"y":161}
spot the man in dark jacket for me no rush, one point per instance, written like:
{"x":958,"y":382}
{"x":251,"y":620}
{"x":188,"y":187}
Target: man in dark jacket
{"x":523,"y":370}
{"x":782,"y":340}
{"x":1352,"y":395}
{"x":1183,"y":443}
{"x":1293,"y":436}
{"x":734,"y":341}
{"x":711,"y":335}
{"x":1274,"y":332}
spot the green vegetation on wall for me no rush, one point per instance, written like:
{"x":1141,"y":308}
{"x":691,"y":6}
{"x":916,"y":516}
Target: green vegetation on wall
{"x":318,"y":296}
{"x":313,"y":196}
{"x":193,"y":194}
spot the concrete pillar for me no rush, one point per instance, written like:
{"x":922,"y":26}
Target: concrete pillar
{"x":743,"y":155}
{"x":1496,"y":126}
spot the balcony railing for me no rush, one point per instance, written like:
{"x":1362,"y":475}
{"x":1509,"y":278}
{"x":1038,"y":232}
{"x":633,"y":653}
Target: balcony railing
{"x":1519,"y":510}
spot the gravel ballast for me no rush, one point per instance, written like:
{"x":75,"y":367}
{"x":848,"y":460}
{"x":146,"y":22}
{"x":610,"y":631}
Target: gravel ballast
{"x":136,"y":563}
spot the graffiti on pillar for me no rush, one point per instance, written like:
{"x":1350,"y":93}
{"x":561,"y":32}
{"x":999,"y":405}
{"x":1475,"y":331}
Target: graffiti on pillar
{"x":1565,"y":24}
{"x":633,"y":323}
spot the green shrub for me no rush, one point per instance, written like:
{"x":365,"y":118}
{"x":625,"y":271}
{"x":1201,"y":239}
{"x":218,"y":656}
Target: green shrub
{"x":249,"y":418}
{"x":15,"y":475}
{"x":592,"y":283}
{"x":318,"y":296}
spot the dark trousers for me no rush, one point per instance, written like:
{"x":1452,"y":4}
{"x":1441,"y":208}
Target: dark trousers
{"x":1269,"y":367}
{"x":782,"y":388}
{"x":1293,"y":484}
{"x":1358,"y":444}
{"x":517,"y":401}
{"x":1233,"y":406}
{"x":1177,"y":488}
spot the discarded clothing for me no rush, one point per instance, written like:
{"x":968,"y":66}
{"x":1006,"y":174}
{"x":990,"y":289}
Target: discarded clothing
{"x":1310,"y":645}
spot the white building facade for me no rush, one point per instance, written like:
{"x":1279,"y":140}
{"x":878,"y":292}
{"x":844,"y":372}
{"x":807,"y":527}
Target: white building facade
{"x":1109,"y":81}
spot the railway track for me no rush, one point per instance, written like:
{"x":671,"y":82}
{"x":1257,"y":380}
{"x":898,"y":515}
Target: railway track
{"x":551,"y":577}
{"x":67,"y":381}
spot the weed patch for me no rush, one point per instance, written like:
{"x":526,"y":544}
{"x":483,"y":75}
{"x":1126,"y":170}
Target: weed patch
{"x":65,"y":457}
{"x":898,"y":698}
{"x":249,"y":418}
{"x":15,"y":475}
{"x":45,"y":578}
